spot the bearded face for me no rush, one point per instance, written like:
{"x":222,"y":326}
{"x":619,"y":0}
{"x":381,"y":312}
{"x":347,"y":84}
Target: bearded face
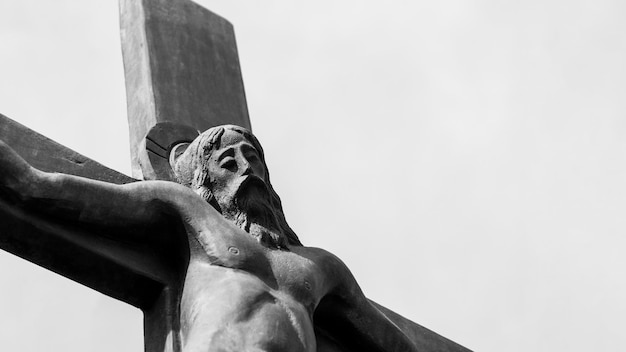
{"x":235,"y":170}
{"x":225,"y":166}
{"x":236,"y":178}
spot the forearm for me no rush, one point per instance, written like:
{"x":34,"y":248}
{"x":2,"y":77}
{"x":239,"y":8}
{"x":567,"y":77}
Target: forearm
{"x":89,"y":201}
{"x":16,"y":175}
{"x":93,"y":203}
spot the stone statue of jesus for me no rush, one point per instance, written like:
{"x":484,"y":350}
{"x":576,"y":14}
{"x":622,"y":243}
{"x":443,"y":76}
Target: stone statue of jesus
{"x":249,"y":284}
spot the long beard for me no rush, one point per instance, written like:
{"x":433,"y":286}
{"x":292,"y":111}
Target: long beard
{"x":260,"y":228}
{"x":251,"y":210}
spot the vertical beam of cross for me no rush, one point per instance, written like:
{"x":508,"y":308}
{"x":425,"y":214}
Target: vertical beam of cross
{"x":181,"y":65}
{"x":181,"y":68}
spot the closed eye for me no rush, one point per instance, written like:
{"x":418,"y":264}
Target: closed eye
{"x":229,"y":164}
{"x":252,"y":157}
{"x":250,"y":153}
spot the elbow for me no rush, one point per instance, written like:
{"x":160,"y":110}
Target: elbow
{"x":34,"y":184}
{"x":20,"y":188}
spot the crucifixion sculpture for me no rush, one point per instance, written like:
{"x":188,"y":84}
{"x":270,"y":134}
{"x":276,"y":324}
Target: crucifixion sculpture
{"x":210,"y":259}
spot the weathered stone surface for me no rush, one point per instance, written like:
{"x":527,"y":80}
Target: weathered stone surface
{"x":423,"y":338}
{"x":183,"y":76}
{"x":161,"y":140}
{"x":124,"y":271}
{"x":167,"y":251}
{"x":181,"y":66}
{"x":48,"y":155}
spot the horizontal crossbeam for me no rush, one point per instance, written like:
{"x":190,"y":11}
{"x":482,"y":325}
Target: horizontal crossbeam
{"x":125,"y":271}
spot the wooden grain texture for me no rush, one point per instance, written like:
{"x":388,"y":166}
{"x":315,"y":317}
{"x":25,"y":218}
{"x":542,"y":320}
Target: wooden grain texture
{"x":94,"y":261}
{"x":125,"y":271}
{"x":48,"y":155}
{"x":181,"y":65}
{"x":425,"y":339}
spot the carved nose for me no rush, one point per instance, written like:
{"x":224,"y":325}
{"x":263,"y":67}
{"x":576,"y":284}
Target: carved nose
{"x":247,"y":169}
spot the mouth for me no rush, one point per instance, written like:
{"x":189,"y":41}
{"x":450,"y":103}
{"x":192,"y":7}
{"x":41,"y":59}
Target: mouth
{"x":249,"y":183}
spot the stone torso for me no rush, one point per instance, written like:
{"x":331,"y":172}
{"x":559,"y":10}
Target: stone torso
{"x":241,"y":296}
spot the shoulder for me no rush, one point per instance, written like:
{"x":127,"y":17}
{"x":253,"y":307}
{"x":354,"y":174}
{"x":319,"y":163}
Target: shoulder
{"x":319,"y":256}
{"x":173,"y":196}
{"x":337,"y":275}
{"x":168,"y":186}
{"x":161,"y":190}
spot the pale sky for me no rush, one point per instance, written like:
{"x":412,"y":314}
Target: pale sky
{"x":466,"y":159}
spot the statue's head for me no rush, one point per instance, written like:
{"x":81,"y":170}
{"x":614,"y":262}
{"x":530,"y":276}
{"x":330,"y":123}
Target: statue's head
{"x":226,"y":166}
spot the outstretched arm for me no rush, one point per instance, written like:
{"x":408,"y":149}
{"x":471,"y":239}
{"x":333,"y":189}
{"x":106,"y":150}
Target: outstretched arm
{"x":349,"y":317}
{"x":99,"y":205}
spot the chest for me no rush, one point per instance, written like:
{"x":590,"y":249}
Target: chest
{"x":292,"y":272}
{"x":299,"y":276}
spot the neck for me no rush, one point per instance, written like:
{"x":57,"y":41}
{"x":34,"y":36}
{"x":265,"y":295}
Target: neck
{"x":268,"y":237}
{"x":261,"y":225}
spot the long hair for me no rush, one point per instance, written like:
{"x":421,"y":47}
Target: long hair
{"x":191,"y":169}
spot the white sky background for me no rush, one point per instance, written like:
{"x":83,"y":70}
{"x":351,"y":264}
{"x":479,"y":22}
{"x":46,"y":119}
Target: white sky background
{"x":466,"y":159}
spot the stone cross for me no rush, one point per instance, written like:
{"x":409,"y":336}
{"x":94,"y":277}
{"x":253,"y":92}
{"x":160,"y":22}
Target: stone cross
{"x":182,"y":76}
